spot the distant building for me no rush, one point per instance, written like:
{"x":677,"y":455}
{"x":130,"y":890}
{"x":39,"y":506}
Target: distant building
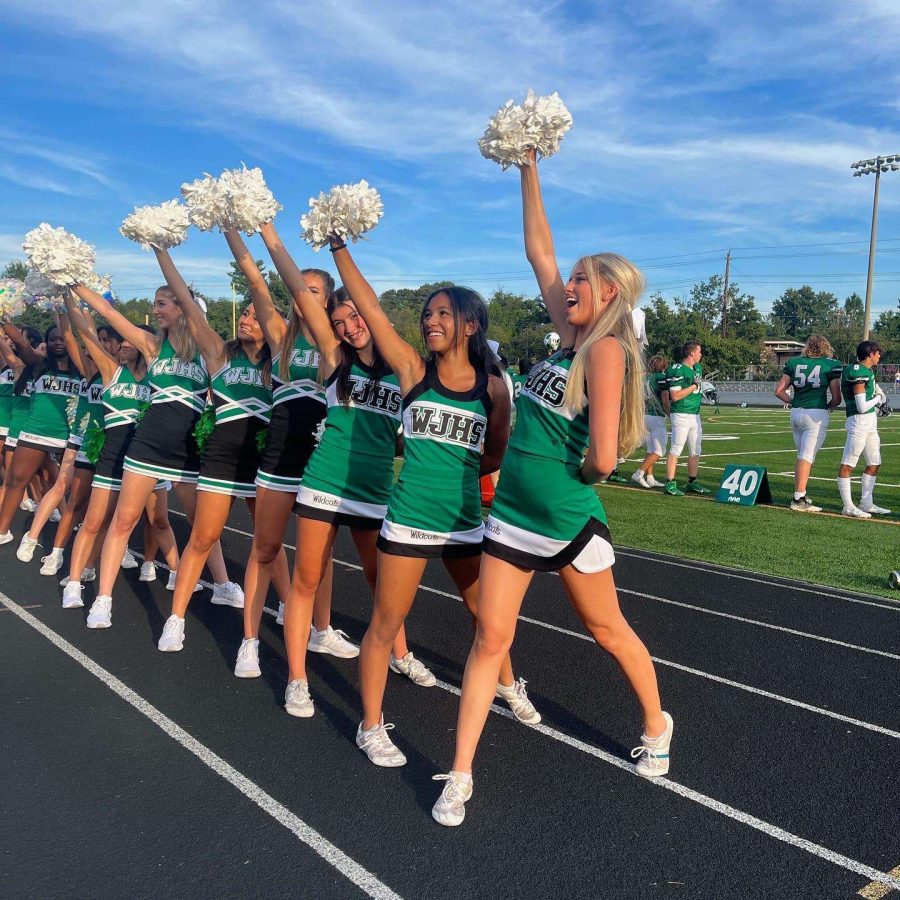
{"x":782,"y":350}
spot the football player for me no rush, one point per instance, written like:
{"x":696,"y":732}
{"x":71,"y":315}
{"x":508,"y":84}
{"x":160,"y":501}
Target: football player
{"x":683,"y":382}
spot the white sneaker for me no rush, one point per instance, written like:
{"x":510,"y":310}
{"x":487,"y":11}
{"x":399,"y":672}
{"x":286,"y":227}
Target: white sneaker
{"x":279,"y":619}
{"x":128,"y":560}
{"x":854,"y":512}
{"x":228,"y":594}
{"x":331,"y":641}
{"x":516,"y":698}
{"x":148,"y":572}
{"x":376,"y":744}
{"x":247,"y":665}
{"x":88,"y":574}
{"x":71,"y":598}
{"x":653,"y":754}
{"x":874,"y":510}
{"x":52,"y":562}
{"x":6,"y":538}
{"x":414,"y":670}
{"x":170,"y":584}
{"x":653,"y":483}
{"x":28,"y":505}
{"x":172,"y":638}
{"x":55,"y":516}
{"x":100,"y":613}
{"x":640,"y":478}
{"x":297,"y":701}
{"x":26,"y":548}
{"x":450,"y":808}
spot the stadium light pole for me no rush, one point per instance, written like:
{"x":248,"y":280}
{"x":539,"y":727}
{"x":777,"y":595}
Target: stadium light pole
{"x":867,"y":167}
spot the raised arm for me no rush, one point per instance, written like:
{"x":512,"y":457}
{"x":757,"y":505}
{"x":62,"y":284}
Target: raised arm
{"x":210,"y":344}
{"x":85,"y":327}
{"x":10,"y":358}
{"x":404,"y":360}
{"x":72,"y":346}
{"x":27,"y":353}
{"x":540,"y":252}
{"x":270,"y":320}
{"x":146,"y":343}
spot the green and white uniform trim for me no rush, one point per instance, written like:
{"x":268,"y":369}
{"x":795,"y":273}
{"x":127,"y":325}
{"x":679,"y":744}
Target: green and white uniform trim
{"x":303,"y":374}
{"x":47,"y":425}
{"x":21,"y":406}
{"x":435,"y":507}
{"x":349,"y":476}
{"x":810,"y":378}
{"x":7,"y":382}
{"x":853,"y":375}
{"x":678,"y":377}
{"x":89,"y":410}
{"x":544,"y":516}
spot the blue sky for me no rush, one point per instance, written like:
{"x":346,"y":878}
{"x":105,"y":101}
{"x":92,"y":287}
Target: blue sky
{"x":699,"y":126}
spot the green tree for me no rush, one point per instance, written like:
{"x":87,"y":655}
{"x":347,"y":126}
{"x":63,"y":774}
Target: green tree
{"x":800,"y":312}
{"x":281,"y":296}
{"x":15,"y":269}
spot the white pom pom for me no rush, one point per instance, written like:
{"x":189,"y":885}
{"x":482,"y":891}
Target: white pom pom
{"x":538,"y":124}
{"x":12,"y":294}
{"x":207,"y":202}
{"x":62,"y":257}
{"x":162,"y":226}
{"x":250,"y":203}
{"x":346,"y":211}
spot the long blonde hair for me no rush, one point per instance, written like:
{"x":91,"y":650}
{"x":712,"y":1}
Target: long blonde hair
{"x":613,"y":319}
{"x":180,"y":336}
{"x":817,"y":347}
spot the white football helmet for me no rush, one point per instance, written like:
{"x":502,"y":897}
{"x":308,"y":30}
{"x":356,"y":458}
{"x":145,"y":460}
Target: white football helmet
{"x":551,"y":341}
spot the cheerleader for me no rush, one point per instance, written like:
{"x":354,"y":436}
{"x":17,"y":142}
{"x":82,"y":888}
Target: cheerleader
{"x":348,"y":478}
{"x":7,"y":382}
{"x":46,"y":429}
{"x":241,"y":389}
{"x":75,"y":472}
{"x":125,"y":393}
{"x":578,"y":411}
{"x":456,"y":412}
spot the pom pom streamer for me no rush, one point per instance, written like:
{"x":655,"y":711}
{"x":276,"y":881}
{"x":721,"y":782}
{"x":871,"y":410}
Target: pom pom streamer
{"x":538,"y":124}
{"x":12,"y":297}
{"x":249,"y":202}
{"x":60,"y":256}
{"x":207,"y":202}
{"x":92,"y":444}
{"x":204,"y":428}
{"x":346,"y":211}
{"x":162,"y":226}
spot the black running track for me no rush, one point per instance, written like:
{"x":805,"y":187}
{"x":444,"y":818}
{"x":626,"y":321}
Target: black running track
{"x":197,"y":784}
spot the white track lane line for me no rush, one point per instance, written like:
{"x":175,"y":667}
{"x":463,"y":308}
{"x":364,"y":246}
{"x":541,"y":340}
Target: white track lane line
{"x":335,"y":857}
{"x":773,"y":831}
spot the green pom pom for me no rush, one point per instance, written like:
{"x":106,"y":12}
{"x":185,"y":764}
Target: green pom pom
{"x":204,"y":428}
{"x":142,"y":411}
{"x":261,"y":437}
{"x":93,"y":442}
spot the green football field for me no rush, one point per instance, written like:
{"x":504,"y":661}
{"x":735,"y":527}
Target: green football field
{"x":822,"y":547}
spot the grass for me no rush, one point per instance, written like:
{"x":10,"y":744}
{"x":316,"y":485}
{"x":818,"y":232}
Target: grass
{"x":825,"y":548}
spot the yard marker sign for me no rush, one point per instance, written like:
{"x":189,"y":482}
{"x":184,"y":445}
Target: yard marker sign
{"x":744,"y":485}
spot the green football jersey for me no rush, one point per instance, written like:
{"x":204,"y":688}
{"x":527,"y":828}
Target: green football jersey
{"x":657,"y":382}
{"x":853,"y":375}
{"x":679,"y":376}
{"x":810,"y":377}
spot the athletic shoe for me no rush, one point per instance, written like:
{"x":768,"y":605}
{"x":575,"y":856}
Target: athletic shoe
{"x":28,"y":505}
{"x":414,"y":670}
{"x":331,"y":641}
{"x":55,"y":516}
{"x":26,"y":548}
{"x":172,"y":638}
{"x":652,"y":482}
{"x":228,"y":594}
{"x":128,"y":560}
{"x":696,"y":488}
{"x":53,"y":562}
{"x":170,"y":584}
{"x":874,"y":510}
{"x":615,"y":477}
{"x":100,"y":613}
{"x":376,"y":744}
{"x":640,"y":478}
{"x":148,"y":572}
{"x":279,"y":619}
{"x":671,"y":488}
{"x":6,"y":538}
{"x":86,"y":576}
{"x":297,"y":701}
{"x":71,"y":598}
{"x":804,"y":504}
{"x":653,"y":754}
{"x":516,"y":698}
{"x":247,"y":665}
{"x":854,"y":512}
{"x":450,"y":808}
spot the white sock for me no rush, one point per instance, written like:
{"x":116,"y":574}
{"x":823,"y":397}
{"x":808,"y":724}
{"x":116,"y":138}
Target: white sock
{"x":868,"y":486}
{"x":799,"y":495}
{"x":844,"y":491}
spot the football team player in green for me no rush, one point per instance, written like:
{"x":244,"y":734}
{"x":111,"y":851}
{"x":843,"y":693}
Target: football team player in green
{"x":683,"y":382}
{"x":658,"y":406}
